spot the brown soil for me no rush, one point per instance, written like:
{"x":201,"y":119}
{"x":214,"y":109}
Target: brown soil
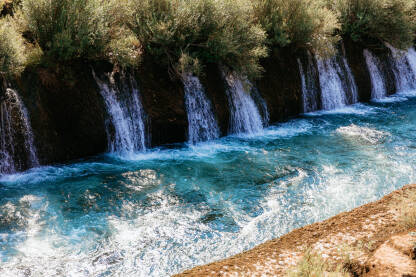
{"x":365,"y":233}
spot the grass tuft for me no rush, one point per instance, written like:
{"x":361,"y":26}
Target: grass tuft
{"x":313,"y":265}
{"x":406,"y":206}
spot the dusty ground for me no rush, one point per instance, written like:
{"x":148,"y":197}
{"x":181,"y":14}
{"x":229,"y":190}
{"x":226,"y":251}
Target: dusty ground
{"x":369,"y":235}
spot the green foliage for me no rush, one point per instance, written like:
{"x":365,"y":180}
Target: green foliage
{"x":65,"y":29}
{"x":307,"y":24}
{"x":12,"y":48}
{"x":184,"y":34}
{"x":71,"y":29}
{"x":392,"y":21}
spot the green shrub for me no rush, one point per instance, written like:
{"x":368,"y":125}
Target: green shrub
{"x":185,"y":34}
{"x":307,"y":24}
{"x":12,"y":48}
{"x":66,"y":30}
{"x":378,"y":21}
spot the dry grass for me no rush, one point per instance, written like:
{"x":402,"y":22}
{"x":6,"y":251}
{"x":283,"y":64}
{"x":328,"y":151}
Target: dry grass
{"x":313,"y":265}
{"x":405,"y":205}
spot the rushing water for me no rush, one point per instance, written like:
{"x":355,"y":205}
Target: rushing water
{"x":201,"y":120}
{"x":349,"y":84}
{"x":338,"y":87}
{"x":310,"y":90}
{"x":411,"y":57}
{"x":167,"y":210}
{"x":402,"y":63}
{"x":126,"y":115}
{"x":245,"y":115}
{"x":378,"y":86}
{"x":17,"y":149}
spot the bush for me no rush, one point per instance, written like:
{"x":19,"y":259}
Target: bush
{"x":185,"y":34}
{"x":306,"y":24}
{"x":6,"y":7}
{"x":378,"y":21}
{"x":12,"y":48}
{"x":66,"y":30}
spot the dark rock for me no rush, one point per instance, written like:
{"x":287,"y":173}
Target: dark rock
{"x":163,"y":102}
{"x":66,"y":110}
{"x":280,"y":85}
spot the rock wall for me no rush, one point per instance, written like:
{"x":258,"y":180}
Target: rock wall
{"x":163,"y":102}
{"x":280,"y":85}
{"x":68,"y":115}
{"x":355,"y":57}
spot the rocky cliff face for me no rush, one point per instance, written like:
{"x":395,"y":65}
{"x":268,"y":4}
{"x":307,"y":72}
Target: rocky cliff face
{"x":163,"y":102}
{"x":280,"y":85}
{"x":66,"y":111}
{"x":354,"y":54}
{"x":68,"y":114}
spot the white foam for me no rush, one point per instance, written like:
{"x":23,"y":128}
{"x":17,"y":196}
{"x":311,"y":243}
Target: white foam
{"x":361,"y":133}
{"x":288,"y":129}
{"x":356,"y":109}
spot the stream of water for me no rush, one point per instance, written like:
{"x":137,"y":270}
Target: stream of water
{"x":169,"y":209}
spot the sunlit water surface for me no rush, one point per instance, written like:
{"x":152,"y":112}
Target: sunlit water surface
{"x":167,"y":210}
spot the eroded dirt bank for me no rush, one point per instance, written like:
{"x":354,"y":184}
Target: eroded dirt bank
{"x":368,"y":241}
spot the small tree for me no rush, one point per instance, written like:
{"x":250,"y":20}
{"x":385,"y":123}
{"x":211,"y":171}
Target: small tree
{"x":186,"y":34}
{"x":306,"y":24}
{"x":378,"y":21}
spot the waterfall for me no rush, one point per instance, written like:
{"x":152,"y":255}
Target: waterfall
{"x":15,"y":130}
{"x":378,"y":86}
{"x":411,"y":57}
{"x":126,"y":115}
{"x":202,"y":123}
{"x":338,"y":86}
{"x":332,"y":92}
{"x":245,"y":116}
{"x":261,"y":105}
{"x":403,"y":68}
{"x":350,"y":83}
{"x":310,"y":90}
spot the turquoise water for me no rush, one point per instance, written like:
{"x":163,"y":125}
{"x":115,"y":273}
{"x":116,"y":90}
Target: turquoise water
{"x":173,"y":208}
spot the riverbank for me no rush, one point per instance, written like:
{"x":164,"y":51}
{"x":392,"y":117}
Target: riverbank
{"x":371,"y":240}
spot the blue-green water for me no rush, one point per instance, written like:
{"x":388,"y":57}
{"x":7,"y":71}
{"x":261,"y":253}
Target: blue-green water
{"x":171,"y":209}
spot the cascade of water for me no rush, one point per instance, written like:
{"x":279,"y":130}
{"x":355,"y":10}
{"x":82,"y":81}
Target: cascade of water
{"x":202,"y":123}
{"x":337,"y":83}
{"x":245,"y":116}
{"x":126,"y":115}
{"x":15,"y":129}
{"x":261,"y":104}
{"x":304,"y":89}
{"x":402,"y":63}
{"x":350,"y":83}
{"x":310,"y":91}
{"x":411,"y":57}
{"x":378,"y":86}
{"x":332,"y":91}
